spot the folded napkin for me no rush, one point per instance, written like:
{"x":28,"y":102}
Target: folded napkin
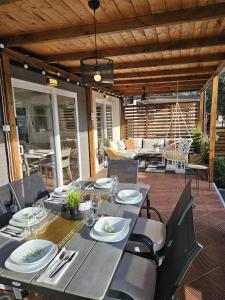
{"x":44,"y":277}
{"x":55,"y":200}
{"x":11,"y":233}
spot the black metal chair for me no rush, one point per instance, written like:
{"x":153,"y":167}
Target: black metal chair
{"x":29,"y":190}
{"x":4,"y":215}
{"x":126,"y":170}
{"x":138,"y":278}
{"x":6,"y":196}
{"x":157,"y":232}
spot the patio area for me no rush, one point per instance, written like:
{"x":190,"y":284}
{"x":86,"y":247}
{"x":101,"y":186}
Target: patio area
{"x":107,"y":109}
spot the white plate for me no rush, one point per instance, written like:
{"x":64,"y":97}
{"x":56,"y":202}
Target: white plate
{"x":117,"y":224}
{"x":128,"y":194}
{"x":58,"y":196}
{"x":10,"y":265}
{"x":20,"y":215}
{"x":63,"y":190}
{"x":106,"y":186}
{"x":135,"y":201}
{"x":104,"y":181}
{"x":110,"y":238}
{"x":23,"y":224}
{"x":18,"y":256}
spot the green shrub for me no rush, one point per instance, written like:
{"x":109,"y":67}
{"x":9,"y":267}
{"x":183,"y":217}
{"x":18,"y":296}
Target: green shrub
{"x":197,"y":139}
{"x":219,"y":172}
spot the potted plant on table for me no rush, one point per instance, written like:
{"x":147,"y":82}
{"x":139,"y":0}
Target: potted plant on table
{"x":73,"y":202}
{"x":156,"y":147}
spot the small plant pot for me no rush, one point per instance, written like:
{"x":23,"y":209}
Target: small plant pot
{"x":71,"y":213}
{"x":74,"y":212}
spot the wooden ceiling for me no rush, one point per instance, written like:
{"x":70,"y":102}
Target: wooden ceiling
{"x":154,"y":43}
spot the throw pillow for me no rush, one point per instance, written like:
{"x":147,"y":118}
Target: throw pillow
{"x":121,"y":145}
{"x":130,"y":144}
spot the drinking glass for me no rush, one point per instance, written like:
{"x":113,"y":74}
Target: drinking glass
{"x":39,"y":209}
{"x":96,"y":203}
{"x":115,"y":182}
{"x":89,"y":217}
{"x":30,"y":226}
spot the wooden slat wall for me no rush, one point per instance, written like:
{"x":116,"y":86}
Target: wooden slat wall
{"x":154,"y":120}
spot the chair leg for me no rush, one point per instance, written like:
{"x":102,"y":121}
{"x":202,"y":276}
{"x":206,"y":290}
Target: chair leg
{"x":69,"y":172}
{"x":148,"y":205}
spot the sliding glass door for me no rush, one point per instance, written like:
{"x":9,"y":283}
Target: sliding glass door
{"x":47,"y":132}
{"x":104,"y":121}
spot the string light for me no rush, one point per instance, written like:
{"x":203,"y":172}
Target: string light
{"x":26,"y":66}
{"x":77,"y":83}
{"x":43,"y":72}
{"x":2,"y":46}
{"x":68,"y":79}
{"x":58,"y":74}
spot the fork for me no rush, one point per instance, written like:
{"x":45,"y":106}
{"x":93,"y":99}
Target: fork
{"x":61,"y":264}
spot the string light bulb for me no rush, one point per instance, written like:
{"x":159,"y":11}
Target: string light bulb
{"x":68,"y":79}
{"x":43,"y":72}
{"x":58,"y":74}
{"x":25,"y":66}
{"x":2,"y":46}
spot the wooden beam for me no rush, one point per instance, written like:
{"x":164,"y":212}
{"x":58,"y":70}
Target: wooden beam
{"x":39,"y":64}
{"x":212,"y":138}
{"x":155,"y":87}
{"x":189,"y":78}
{"x":5,"y":2}
{"x":171,"y":72}
{"x":149,"y":48}
{"x":91,"y":135}
{"x":161,"y":91}
{"x":164,"y":62}
{"x":137,"y":23}
{"x":201,"y":110}
{"x":14,"y":156}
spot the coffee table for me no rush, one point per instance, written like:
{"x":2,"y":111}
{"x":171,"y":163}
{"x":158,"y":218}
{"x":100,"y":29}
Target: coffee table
{"x":147,"y":155}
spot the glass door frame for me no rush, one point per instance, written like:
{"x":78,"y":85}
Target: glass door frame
{"x":104,"y":103}
{"x":53,"y":92}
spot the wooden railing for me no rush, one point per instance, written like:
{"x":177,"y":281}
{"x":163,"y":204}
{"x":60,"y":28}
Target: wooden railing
{"x":220,"y":144}
{"x":155,"y":120}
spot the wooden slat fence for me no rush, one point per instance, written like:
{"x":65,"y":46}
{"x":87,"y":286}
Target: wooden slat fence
{"x":152,"y":120}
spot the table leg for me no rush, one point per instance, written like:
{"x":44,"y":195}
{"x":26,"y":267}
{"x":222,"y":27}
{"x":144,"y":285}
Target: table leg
{"x":148,"y":207}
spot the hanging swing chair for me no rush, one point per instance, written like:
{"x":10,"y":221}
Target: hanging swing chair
{"x":175,"y":155}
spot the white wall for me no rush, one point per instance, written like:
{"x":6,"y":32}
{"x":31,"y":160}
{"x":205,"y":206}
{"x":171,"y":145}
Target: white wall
{"x":99,"y":97}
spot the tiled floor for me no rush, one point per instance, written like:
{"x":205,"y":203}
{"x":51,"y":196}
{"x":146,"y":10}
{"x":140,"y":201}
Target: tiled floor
{"x":205,"y":279}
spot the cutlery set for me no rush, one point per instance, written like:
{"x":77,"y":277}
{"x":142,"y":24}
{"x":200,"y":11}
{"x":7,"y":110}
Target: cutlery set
{"x":65,"y":257}
{"x":13,"y":232}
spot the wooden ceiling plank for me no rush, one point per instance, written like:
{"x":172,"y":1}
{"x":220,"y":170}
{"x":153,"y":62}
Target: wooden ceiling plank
{"x":149,"y":48}
{"x":135,"y":23}
{"x":5,"y":2}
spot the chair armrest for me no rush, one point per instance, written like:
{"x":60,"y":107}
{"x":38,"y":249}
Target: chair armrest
{"x":155,"y":210}
{"x":118,"y":295}
{"x":148,"y":243}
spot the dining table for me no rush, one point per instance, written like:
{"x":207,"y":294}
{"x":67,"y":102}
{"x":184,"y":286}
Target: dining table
{"x":90,"y":274}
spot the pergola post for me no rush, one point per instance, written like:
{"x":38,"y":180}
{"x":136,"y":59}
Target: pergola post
{"x":201,"y":110}
{"x":13,"y":146}
{"x":213,"y":126}
{"x":91,"y":136}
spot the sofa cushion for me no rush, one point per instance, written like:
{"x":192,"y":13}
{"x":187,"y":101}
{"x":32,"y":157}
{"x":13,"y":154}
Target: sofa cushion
{"x":129,"y":153}
{"x":129,"y":144}
{"x":137,"y":142}
{"x":148,"y":143}
{"x":113,"y":146}
{"x":112,"y":154}
{"x":121,"y":145}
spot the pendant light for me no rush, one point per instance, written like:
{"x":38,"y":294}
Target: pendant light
{"x":96,"y":70}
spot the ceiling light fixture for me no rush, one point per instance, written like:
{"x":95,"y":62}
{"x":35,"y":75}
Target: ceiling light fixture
{"x":96,"y":70}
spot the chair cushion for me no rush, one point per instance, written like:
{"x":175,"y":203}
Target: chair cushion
{"x":137,"y":142}
{"x":113,"y":146}
{"x":129,"y":144}
{"x":136,"y":276}
{"x":148,"y":143}
{"x":155,"y":230}
{"x":121,"y":145}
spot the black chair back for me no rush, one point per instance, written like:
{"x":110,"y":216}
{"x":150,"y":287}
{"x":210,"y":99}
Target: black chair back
{"x":181,"y":208}
{"x":126,"y":170}
{"x":29,"y":190}
{"x":6,"y":196}
{"x":4,"y":215}
{"x":179,"y":256}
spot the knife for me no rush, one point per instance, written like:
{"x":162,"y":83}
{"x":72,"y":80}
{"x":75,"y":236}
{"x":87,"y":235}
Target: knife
{"x":64,"y":262}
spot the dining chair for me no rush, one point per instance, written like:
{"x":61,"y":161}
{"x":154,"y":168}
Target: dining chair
{"x":4,"y":215}
{"x":159,"y":233}
{"x":29,"y":190}
{"x":126,"y":170}
{"x":66,"y":155}
{"x":140,"y":279}
{"x":6,"y":196}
